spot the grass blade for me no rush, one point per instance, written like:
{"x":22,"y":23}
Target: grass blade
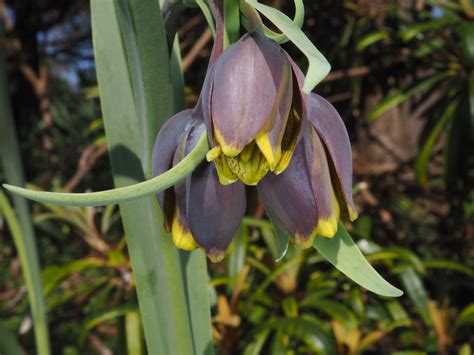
{"x":22,"y":229}
{"x":400,"y":96}
{"x":133,"y":333}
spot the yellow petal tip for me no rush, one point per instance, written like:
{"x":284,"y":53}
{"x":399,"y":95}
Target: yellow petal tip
{"x":182,"y":237}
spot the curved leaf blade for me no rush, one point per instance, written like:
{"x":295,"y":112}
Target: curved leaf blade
{"x":400,"y":96}
{"x":318,"y":67}
{"x":343,"y":253}
{"x":122,"y":194}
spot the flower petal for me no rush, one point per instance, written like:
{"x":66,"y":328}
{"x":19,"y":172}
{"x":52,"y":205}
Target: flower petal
{"x":166,"y":143}
{"x":214,"y":211}
{"x":270,"y":137}
{"x":288,"y":198}
{"x":326,"y":201}
{"x":332,"y":131}
{"x":182,"y":236}
{"x":246,"y":82}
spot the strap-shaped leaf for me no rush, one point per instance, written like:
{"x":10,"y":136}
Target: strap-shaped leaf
{"x":400,"y":96}
{"x":343,"y":253}
{"x":318,"y":67}
{"x":122,"y":194}
{"x":281,"y":38}
{"x":421,"y":164}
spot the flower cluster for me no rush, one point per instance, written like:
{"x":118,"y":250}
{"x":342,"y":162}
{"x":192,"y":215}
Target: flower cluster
{"x":263,"y":131}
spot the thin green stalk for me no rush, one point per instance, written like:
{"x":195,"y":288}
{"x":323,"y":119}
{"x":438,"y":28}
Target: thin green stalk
{"x":24,"y":233}
{"x":31,"y":275}
{"x":122,"y":194}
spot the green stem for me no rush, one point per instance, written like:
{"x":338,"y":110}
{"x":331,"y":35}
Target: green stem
{"x":123,"y":194}
{"x":254,"y":21}
{"x":31,"y":275}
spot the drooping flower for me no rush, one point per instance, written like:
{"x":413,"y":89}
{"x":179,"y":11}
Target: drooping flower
{"x":252,"y":106}
{"x":198,"y":211}
{"x":308,"y":198}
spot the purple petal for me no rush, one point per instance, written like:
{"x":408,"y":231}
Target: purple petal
{"x":247,"y":78}
{"x":288,"y":198}
{"x":330,"y":127}
{"x":164,"y":149}
{"x":324,"y":195}
{"x":214,"y":211}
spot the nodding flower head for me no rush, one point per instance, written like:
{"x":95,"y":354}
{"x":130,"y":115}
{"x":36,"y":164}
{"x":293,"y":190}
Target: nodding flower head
{"x":253,"y":109}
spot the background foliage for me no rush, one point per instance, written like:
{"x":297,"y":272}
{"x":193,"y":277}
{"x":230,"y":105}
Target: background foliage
{"x":402,"y":81}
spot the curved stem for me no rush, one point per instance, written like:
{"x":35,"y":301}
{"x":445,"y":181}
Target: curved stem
{"x":255,"y":22}
{"x":123,"y":194}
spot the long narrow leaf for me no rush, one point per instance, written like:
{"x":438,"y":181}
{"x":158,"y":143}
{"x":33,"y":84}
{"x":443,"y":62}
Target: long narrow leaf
{"x":24,"y":237}
{"x":400,"y":96}
{"x":155,"y":261}
{"x":343,"y":253}
{"x":421,"y":164}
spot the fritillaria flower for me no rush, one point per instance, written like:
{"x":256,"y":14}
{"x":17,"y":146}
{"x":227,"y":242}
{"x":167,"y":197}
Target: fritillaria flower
{"x":199,"y":211}
{"x":309,"y":197}
{"x":263,"y":131}
{"x":253,"y":110}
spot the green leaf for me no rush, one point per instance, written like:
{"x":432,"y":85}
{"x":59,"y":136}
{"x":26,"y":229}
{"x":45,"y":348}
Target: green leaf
{"x":309,"y":330}
{"x":343,"y":253}
{"x":282,"y":242}
{"x":399,"y":96}
{"x":422,"y":160}
{"x":231,"y":22}
{"x":177,"y":77}
{"x":207,"y":15}
{"x":108,"y":315}
{"x":318,"y":65}
{"x":255,"y":346}
{"x":155,"y":261}
{"x":408,"y":256}
{"x":281,"y":38}
{"x":418,"y":28}
{"x":133,"y":333}
{"x":8,"y":342}
{"x":195,"y":281}
{"x":417,"y":293}
{"x":53,"y":274}
{"x":143,"y":35}
{"x":466,"y":317}
{"x":122,"y":194}
{"x":20,"y":223}
{"x":371,"y":39}
{"x":449,"y":265}
{"x":236,"y":260}
{"x":335,"y":310}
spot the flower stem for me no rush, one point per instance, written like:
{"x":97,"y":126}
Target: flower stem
{"x":123,"y":194}
{"x":255,"y":22}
